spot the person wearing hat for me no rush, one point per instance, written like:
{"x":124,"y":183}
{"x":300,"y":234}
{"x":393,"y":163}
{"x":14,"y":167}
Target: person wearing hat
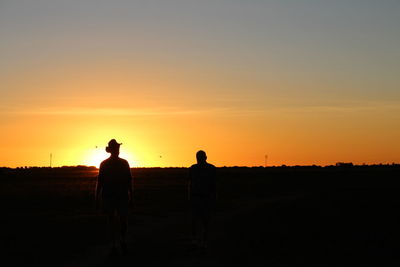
{"x":114,"y":191}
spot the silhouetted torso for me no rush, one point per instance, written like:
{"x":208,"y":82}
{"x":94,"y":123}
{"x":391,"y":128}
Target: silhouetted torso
{"x":115,"y":176}
{"x":202,"y":180}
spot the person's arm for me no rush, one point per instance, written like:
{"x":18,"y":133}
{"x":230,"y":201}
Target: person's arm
{"x":99,"y":187}
{"x":214,"y":183}
{"x":130,"y":184}
{"x":189,"y":184}
{"x":130,"y":190}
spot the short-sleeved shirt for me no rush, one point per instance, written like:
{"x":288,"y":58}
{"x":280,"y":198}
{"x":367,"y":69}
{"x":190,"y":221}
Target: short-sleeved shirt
{"x":202,"y":180}
{"x":115,"y":177}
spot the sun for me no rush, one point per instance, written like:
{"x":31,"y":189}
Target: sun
{"x":96,"y":156}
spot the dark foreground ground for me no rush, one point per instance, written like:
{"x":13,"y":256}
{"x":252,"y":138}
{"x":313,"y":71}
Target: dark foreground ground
{"x":299,"y":216}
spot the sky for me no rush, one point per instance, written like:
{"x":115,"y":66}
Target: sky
{"x":299,"y":81}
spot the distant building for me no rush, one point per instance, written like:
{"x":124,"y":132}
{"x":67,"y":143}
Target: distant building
{"x":344,"y":164}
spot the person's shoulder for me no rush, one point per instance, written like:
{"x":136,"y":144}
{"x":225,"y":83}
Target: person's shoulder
{"x":211,"y":166}
{"x":123,"y":161}
{"x":193,"y":166}
{"x":193,"y":169}
{"x":104,"y":162}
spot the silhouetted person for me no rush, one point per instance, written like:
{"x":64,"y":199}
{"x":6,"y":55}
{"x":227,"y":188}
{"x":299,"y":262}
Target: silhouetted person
{"x":202,"y":195}
{"x":114,"y":190}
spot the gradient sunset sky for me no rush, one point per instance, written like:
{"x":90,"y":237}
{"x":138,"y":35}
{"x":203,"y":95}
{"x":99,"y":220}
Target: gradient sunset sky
{"x":302,"y":81}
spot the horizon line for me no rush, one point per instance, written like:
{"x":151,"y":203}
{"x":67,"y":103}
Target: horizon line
{"x":338,"y":164}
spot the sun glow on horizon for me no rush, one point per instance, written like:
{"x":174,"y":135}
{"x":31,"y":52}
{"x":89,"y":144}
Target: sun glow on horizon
{"x":95,"y":156}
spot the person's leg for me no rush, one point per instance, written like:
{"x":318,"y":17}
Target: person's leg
{"x":193,"y":226}
{"x":195,"y":222}
{"x":205,"y":216}
{"x":123,"y":223}
{"x":113,"y":231}
{"x":204,"y":228}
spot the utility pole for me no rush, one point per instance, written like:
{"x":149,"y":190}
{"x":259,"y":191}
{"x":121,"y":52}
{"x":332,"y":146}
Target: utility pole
{"x":51,"y":157}
{"x":266,"y":160}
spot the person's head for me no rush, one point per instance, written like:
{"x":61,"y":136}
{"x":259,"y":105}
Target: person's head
{"x":113,"y":147}
{"x":201,"y":156}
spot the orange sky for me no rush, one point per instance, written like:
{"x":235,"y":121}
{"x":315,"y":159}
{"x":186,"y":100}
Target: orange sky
{"x":291,"y":81}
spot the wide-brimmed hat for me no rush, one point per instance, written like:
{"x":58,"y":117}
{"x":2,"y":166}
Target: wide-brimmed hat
{"x":113,"y":144}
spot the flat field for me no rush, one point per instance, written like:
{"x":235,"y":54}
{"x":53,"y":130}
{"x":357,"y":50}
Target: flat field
{"x":276,"y":216}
